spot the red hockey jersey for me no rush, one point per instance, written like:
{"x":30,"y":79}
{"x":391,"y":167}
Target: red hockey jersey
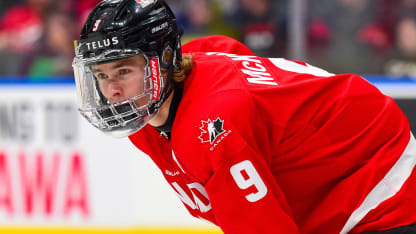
{"x":262,"y":145}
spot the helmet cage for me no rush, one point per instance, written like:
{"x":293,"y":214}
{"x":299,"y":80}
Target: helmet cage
{"x":127,"y":116}
{"x":112,"y":27}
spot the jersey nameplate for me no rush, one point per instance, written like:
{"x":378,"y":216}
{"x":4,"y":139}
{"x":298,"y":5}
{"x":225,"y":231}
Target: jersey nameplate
{"x":253,"y":69}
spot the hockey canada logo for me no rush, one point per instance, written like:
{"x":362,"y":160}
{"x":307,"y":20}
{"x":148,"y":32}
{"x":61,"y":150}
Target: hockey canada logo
{"x":210,"y":130}
{"x":213,"y":132}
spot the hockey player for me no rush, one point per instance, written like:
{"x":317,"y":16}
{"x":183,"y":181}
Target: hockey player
{"x":255,"y":145}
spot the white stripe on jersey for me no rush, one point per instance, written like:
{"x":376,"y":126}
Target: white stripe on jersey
{"x":387,"y":187}
{"x":177,"y":162}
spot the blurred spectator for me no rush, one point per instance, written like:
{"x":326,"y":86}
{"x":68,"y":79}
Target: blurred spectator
{"x":319,"y":32}
{"x":6,"y":4}
{"x":349,"y":37}
{"x":178,"y":8}
{"x":20,"y":28}
{"x":343,"y":35}
{"x":196,"y":19}
{"x":82,"y":9}
{"x":202,"y":18}
{"x":199,"y":16}
{"x":53,"y":56}
{"x":403,"y":58}
{"x":407,"y":7}
{"x":263,"y":26}
{"x":387,"y":17}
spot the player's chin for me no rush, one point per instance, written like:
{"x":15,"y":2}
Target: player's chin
{"x":143,"y":101}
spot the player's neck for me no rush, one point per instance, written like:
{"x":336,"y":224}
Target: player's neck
{"x":163,"y":114}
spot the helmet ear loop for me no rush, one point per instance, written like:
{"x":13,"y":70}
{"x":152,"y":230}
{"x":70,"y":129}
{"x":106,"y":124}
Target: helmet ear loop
{"x":177,"y":53}
{"x":167,"y":56}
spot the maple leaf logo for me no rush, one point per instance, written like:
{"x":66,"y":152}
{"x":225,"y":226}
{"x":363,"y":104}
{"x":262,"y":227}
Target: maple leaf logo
{"x":210,"y":130}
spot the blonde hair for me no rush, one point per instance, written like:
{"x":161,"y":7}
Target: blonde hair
{"x":180,"y":73}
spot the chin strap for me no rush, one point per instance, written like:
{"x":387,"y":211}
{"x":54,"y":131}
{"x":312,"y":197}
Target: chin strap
{"x":166,"y":129}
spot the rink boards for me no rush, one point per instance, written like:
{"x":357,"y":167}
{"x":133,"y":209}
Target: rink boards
{"x":60,"y":175}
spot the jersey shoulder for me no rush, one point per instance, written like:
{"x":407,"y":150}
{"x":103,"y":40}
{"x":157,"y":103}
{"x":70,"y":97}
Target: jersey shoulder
{"x":216,"y":43}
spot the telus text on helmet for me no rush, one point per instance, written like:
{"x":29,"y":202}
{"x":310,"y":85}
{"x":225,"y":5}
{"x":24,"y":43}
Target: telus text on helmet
{"x":102,"y":43}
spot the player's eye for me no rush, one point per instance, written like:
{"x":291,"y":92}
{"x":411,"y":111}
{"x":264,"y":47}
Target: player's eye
{"x":101,"y":76}
{"x":124,"y":71}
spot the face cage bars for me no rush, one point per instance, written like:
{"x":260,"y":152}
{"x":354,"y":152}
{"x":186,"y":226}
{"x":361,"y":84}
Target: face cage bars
{"x":118,"y":114}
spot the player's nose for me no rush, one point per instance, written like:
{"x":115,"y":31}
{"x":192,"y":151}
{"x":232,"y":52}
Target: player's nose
{"x":115,"y":91}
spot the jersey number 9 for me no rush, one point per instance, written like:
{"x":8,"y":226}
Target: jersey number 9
{"x":250,"y":178}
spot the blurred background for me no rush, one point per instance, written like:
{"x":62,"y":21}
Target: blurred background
{"x":354,"y":36}
{"x":60,"y":175}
